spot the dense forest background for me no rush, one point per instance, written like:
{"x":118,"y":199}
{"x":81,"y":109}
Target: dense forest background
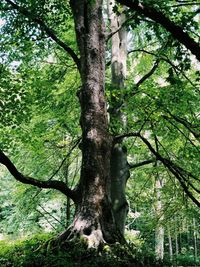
{"x":152,"y":99}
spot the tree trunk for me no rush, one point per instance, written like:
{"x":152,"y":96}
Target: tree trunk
{"x":93,"y":218}
{"x":170,"y":245}
{"x":159,"y":242}
{"x":67,"y":206}
{"x":119,"y":165}
{"x":159,"y":231}
{"x":195,"y":239}
{"x":176,"y":242}
{"x":119,"y":176}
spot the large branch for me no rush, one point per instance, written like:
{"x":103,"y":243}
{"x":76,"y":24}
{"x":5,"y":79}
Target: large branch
{"x":47,"y":30}
{"x":176,"y":31}
{"x":51,"y":184}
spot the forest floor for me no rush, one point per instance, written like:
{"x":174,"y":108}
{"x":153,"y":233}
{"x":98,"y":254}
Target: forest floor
{"x":39,"y":251}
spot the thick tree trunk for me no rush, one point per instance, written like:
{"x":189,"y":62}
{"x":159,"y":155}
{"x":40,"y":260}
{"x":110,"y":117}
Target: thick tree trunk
{"x":119,"y":165}
{"x":93,"y":219}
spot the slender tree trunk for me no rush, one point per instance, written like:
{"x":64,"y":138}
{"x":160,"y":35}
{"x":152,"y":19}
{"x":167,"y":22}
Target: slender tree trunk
{"x":93,"y":218}
{"x":195,"y":239}
{"x":159,"y":231}
{"x":188,"y":234}
{"x":67,"y":206}
{"x":170,"y":245}
{"x":176,"y":243}
{"x":119,"y":165}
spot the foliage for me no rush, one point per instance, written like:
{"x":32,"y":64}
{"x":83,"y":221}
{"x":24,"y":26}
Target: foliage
{"x":187,"y":260}
{"x":39,"y":121}
{"x":40,"y":251}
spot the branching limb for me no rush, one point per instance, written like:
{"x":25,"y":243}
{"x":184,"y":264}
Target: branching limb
{"x":187,"y":125}
{"x":63,"y":161}
{"x":109,"y":35}
{"x":181,"y":175}
{"x":186,"y":4}
{"x":142,"y":163}
{"x":177,"y":32}
{"x":119,"y":138}
{"x":177,"y":128}
{"x":47,"y":30}
{"x":65,"y":158}
{"x":164,"y":58}
{"x":148,"y":74}
{"x":53,"y":184}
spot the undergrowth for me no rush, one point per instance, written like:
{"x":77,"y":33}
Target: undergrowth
{"x":39,"y":251}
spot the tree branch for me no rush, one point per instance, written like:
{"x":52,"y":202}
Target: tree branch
{"x":177,"y":171}
{"x":142,"y":163}
{"x":148,"y":74}
{"x":63,"y":161}
{"x":118,"y":138}
{"x":186,"y":4}
{"x":186,"y":137}
{"x":65,"y":158}
{"x":187,"y":125}
{"x":175,"y":68}
{"x":48,"y":31}
{"x":109,"y":35}
{"x":53,"y":184}
{"x":176,"y":31}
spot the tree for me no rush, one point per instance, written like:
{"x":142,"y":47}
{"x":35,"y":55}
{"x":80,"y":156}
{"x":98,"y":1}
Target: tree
{"x":94,"y":217}
{"x":118,"y":162}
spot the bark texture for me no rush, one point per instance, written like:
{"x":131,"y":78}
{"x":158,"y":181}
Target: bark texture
{"x":93,"y":219}
{"x":119,"y":164}
{"x":119,"y":175}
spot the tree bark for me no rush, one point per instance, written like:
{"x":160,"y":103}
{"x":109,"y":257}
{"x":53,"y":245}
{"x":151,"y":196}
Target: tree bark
{"x":119,"y":175}
{"x":119,"y":165}
{"x":93,"y":218}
